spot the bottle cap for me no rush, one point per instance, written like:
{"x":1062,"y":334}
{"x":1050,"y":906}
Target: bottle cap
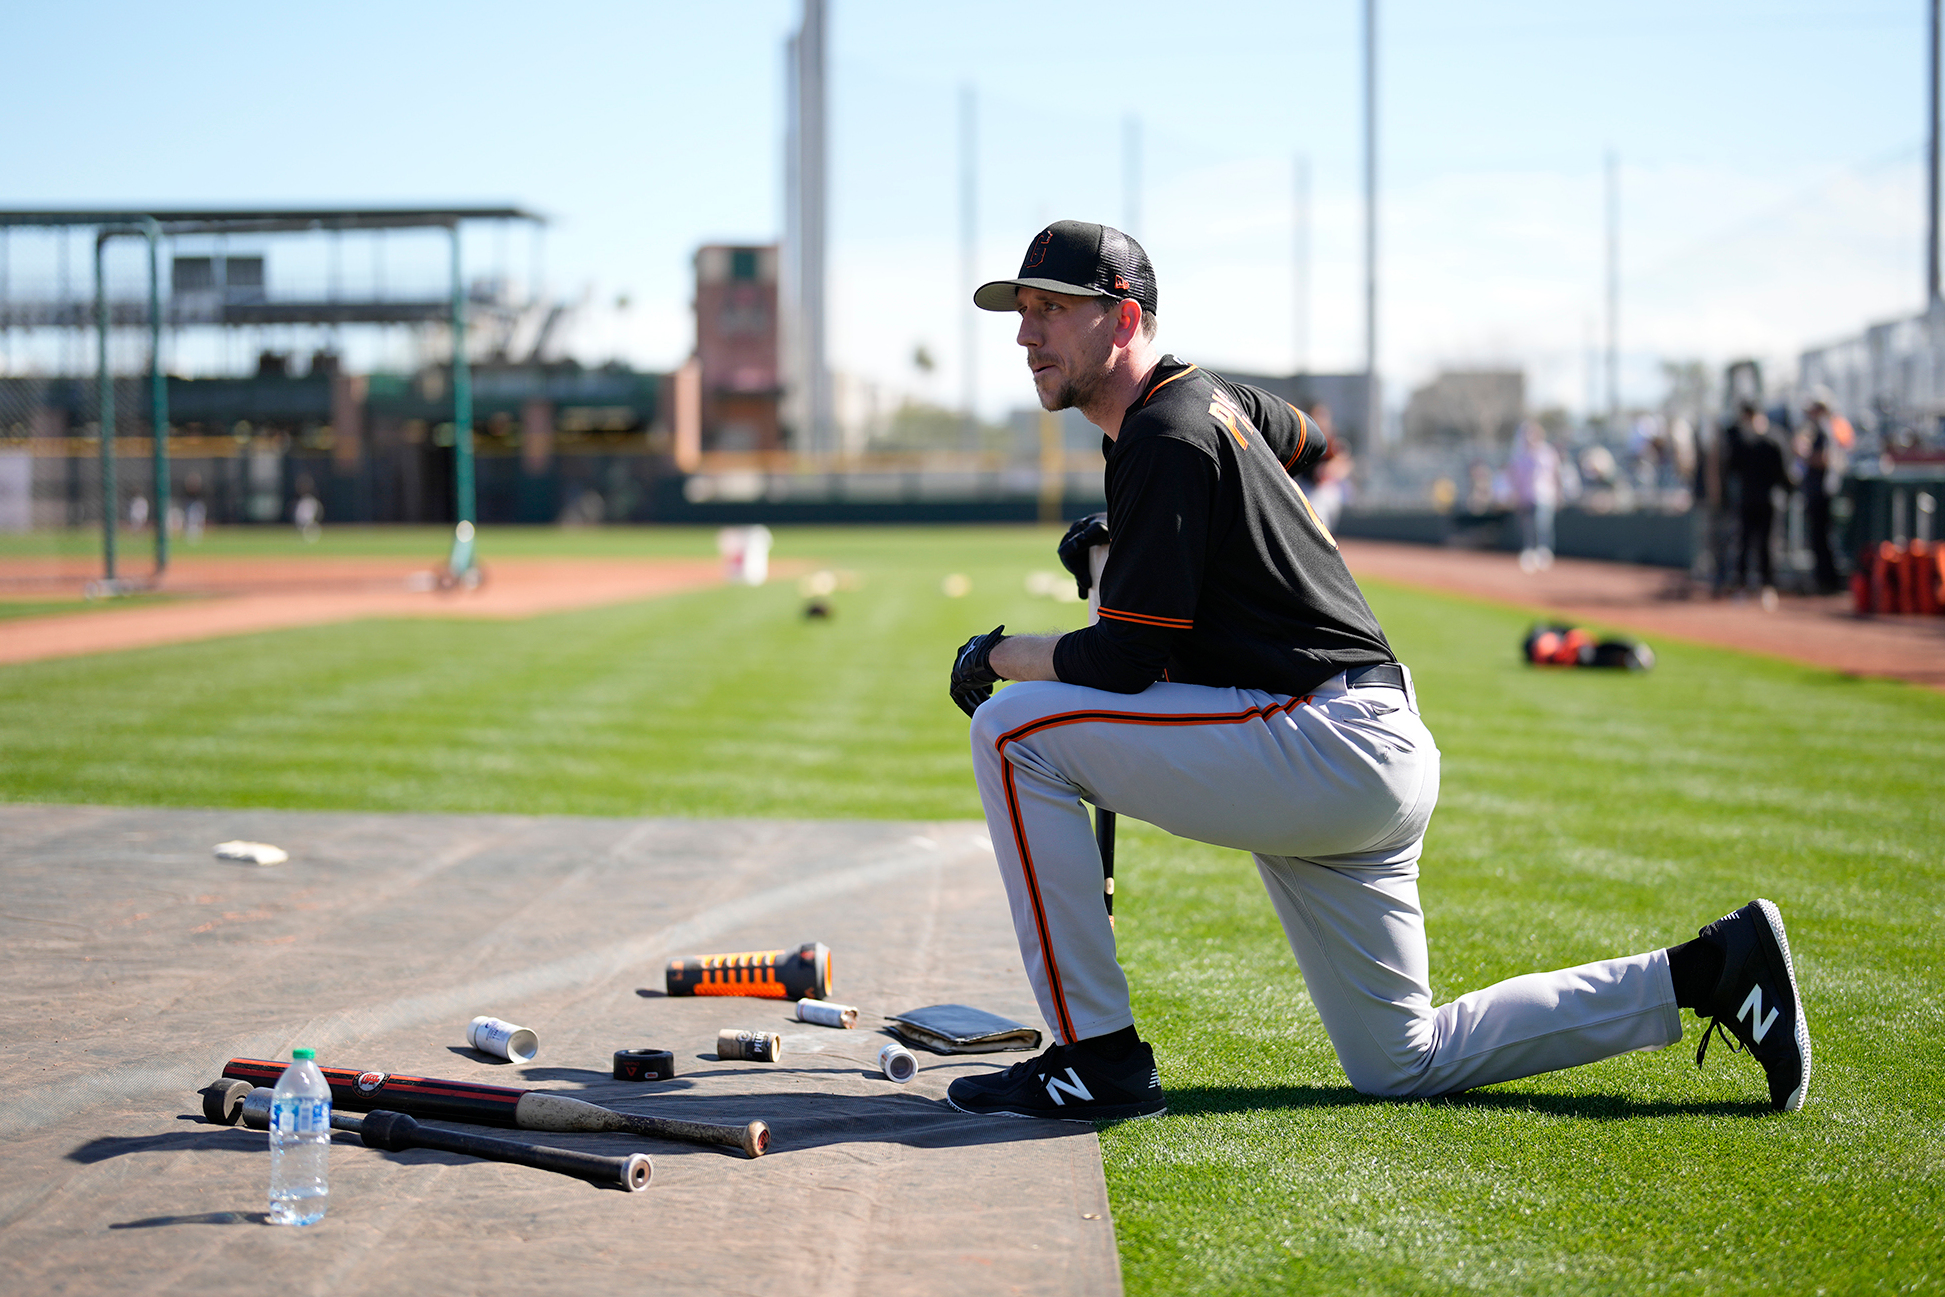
{"x":303,"y":1053}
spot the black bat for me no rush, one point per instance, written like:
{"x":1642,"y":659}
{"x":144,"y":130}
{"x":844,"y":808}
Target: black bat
{"x":1104,"y":838}
{"x":496,"y":1105}
{"x":395,"y":1132}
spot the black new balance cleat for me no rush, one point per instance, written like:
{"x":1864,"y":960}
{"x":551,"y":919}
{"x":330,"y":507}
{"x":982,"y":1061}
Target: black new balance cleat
{"x":1755,"y":1005}
{"x":1066,"y":1083}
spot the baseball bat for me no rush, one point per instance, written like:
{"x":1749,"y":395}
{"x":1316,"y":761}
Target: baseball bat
{"x":1097,"y":565}
{"x":803,"y":973}
{"x":1104,"y":839}
{"x":497,"y":1105}
{"x":395,"y":1132}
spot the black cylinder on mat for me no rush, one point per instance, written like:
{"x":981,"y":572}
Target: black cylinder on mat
{"x":800,"y":974}
{"x":395,"y":1132}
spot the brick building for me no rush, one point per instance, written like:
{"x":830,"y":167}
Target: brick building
{"x":736,"y":348}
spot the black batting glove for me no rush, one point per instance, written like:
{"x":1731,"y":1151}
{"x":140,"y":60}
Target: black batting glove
{"x":1084,"y":535}
{"x":973,"y":676}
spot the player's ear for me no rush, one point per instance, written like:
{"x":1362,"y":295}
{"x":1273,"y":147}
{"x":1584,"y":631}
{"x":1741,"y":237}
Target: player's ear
{"x":1128,"y":324}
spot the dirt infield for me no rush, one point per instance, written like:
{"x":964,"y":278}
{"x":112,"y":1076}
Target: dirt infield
{"x":1650,"y":602}
{"x":238,"y":596}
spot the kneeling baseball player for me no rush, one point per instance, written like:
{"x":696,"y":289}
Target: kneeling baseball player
{"x":1237,"y":690}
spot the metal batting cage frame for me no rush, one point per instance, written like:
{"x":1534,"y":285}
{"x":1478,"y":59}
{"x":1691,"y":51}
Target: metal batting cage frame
{"x":156,"y":224}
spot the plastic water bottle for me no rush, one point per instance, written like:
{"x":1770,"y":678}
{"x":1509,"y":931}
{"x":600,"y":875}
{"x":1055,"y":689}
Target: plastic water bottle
{"x":300,"y":1141}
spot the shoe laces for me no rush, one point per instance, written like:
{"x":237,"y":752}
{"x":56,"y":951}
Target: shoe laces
{"x":1041,"y":1061}
{"x":1715,"y":1028}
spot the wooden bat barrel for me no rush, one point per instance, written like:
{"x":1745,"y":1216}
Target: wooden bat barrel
{"x":497,"y":1105}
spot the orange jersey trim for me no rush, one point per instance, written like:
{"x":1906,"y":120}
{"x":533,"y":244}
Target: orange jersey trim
{"x":1166,"y":381}
{"x":1066,"y":1023}
{"x":1148,"y":619}
{"x":1303,"y":435}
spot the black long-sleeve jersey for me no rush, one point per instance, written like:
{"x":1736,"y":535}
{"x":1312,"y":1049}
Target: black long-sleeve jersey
{"x":1219,"y":572}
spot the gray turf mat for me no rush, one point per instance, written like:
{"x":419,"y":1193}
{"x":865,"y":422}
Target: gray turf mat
{"x":138,"y":963}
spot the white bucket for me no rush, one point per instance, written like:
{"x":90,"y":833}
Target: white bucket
{"x":502,"y":1039}
{"x":897,"y":1062}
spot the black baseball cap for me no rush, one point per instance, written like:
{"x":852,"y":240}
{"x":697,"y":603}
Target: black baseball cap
{"x":1081,"y":259}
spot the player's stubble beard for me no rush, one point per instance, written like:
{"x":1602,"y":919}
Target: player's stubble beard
{"x":1084,"y":380}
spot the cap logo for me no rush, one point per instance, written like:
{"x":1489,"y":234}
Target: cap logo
{"x":1038,"y":252}
{"x":1121,"y":285}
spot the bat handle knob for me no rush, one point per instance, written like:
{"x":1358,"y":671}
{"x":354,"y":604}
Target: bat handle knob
{"x":391,"y":1131}
{"x":223,"y":1101}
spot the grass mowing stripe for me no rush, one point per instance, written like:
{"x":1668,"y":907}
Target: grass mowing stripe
{"x":717,"y":702}
{"x":1583,"y":814}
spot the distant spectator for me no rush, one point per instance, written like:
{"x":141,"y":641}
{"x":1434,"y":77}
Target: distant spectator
{"x":1479,"y":487}
{"x":1535,"y":473}
{"x":1821,"y":449}
{"x":1681,"y":445}
{"x":308,"y":512}
{"x":1327,"y":482}
{"x":195,"y":513}
{"x":1647,"y":449}
{"x":1758,"y":468}
{"x":1719,"y":493}
{"x":1601,"y":476}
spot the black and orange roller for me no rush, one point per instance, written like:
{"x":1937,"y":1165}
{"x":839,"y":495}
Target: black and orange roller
{"x":800,"y":974}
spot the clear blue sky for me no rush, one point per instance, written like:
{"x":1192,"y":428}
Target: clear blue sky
{"x":1771,"y":167}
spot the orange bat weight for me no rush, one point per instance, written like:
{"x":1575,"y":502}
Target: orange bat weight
{"x":800,"y":974}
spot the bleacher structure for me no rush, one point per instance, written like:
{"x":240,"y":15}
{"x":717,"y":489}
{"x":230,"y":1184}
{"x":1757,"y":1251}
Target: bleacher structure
{"x":1890,"y":379}
{"x":84,"y":381}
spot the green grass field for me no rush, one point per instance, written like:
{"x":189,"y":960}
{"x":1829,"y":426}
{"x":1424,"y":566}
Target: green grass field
{"x":1583,"y":814}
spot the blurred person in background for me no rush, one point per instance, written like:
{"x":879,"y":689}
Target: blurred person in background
{"x":1480,"y":495}
{"x":1758,"y":468}
{"x":1535,"y":473}
{"x":1820,"y":445}
{"x":1328,"y":482}
{"x":1681,"y":447}
{"x":308,"y":512}
{"x":1647,"y":452}
{"x":195,"y":513}
{"x":1600,"y":474}
{"x":1719,"y":495}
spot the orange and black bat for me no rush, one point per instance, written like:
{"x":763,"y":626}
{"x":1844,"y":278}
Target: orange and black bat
{"x":800,"y":974}
{"x":497,"y":1105}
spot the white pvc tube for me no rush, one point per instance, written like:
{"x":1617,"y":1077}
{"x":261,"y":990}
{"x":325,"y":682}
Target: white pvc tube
{"x":897,"y":1062}
{"x":826,"y":1014}
{"x":502,"y":1039}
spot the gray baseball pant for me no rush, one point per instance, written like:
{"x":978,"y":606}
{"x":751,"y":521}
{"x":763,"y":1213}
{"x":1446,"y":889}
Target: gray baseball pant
{"x":1331,"y":793}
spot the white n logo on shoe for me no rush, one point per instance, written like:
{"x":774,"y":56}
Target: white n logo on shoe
{"x":1752,"y":1008}
{"x":1072,"y":1085}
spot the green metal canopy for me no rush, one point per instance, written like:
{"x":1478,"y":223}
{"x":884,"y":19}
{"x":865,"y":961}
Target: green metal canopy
{"x":155,"y":223}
